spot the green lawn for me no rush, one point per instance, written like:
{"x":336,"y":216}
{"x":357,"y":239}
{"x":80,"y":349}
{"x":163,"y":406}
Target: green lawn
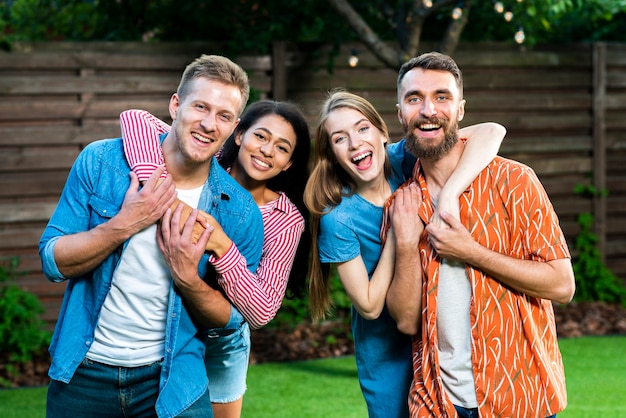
{"x":595,"y":369}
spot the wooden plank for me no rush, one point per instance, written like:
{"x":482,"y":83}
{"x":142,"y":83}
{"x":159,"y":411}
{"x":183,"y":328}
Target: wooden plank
{"x":56,"y":135}
{"x":527,"y":100}
{"x":20,"y":236}
{"x":615,"y":101}
{"x":18,"y":159}
{"x":27,"y":111}
{"x":13,"y":212}
{"x":555,"y":143}
{"x":140,"y":57}
{"x":28,"y":184}
{"x":30,"y":85}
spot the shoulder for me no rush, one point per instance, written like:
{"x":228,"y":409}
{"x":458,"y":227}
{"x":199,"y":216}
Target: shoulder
{"x":103,"y":156}
{"x":510,"y":170}
{"x":284,"y":207}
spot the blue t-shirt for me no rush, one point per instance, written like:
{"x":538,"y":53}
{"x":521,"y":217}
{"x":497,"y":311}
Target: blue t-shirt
{"x":383,"y":354}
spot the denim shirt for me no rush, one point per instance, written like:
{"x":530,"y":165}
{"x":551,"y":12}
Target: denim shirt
{"x":93,"y":194}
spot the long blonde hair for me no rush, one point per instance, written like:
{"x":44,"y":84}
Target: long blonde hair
{"x":326,"y":186}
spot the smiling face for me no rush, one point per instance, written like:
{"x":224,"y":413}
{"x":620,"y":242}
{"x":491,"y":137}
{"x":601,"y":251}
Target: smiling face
{"x":265,"y":149}
{"x":430,"y":108}
{"x":202,"y":120}
{"x":357,"y":144}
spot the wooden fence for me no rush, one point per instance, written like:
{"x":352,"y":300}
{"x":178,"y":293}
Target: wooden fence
{"x":563,"y":108}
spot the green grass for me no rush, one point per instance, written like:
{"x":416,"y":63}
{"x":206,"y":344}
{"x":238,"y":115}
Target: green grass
{"x":595,"y":373}
{"x":595,"y":368}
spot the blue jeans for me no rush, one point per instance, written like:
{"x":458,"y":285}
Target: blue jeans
{"x":99,"y":390}
{"x":473,"y":412}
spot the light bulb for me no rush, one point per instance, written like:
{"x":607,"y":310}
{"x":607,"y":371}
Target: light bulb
{"x":519,"y":36}
{"x":353,"y":61}
{"x":427,"y":3}
{"x":457,"y":13}
{"x":508,"y":16}
{"x":499,"y":7}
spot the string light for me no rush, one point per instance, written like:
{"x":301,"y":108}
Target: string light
{"x":519,"y":36}
{"x":457,"y":13}
{"x":427,"y":3}
{"x":498,"y":7}
{"x":353,"y":61}
{"x":508,"y":16}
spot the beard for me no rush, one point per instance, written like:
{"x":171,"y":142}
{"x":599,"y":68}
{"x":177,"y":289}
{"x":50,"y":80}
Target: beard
{"x":431,"y":152}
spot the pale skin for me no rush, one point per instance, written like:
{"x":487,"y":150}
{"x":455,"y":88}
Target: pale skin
{"x":369,"y":296}
{"x":351,"y":135}
{"x":429,"y":93}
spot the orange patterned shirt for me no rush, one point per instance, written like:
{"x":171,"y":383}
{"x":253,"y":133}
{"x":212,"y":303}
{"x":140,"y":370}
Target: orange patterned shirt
{"x":518,"y":370}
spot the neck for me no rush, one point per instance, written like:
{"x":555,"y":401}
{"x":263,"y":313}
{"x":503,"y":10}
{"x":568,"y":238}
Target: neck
{"x":376,"y":191}
{"x":186,"y":174}
{"x":438,"y":172}
{"x":258,"y":189}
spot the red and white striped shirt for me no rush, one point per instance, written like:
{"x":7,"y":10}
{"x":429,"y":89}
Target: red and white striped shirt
{"x":258,"y":296}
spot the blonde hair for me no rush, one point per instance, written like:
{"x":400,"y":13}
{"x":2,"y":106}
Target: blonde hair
{"x":217,"y":68}
{"x":326,"y":186}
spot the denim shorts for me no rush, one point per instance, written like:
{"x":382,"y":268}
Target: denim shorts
{"x":226,"y":361}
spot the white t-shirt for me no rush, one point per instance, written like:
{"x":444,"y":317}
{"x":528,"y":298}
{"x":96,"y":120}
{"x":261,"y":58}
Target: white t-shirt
{"x":131,"y":327}
{"x":453,"y":329}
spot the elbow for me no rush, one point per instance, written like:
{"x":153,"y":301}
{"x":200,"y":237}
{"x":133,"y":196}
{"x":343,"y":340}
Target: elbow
{"x":565,"y":293}
{"x":370,"y":315}
{"x":566,"y":289}
{"x":408,"y":327}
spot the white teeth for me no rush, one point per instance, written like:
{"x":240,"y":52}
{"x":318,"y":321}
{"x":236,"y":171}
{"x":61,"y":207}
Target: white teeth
{"x":428,"y":126}
{"x":262,"y":163}
{"x":360,"y":157}
{"x":202,"y":138}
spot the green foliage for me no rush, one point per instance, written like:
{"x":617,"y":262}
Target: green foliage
{"x":34,"y":20}
{"x":594,"y":280}
{"x":22,"y":332}
{"x":251,"y":25}
{"x":296,"y":311}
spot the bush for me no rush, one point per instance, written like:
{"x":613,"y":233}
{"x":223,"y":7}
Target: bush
{"x":594,"y":280}
{"x":22,"y":332}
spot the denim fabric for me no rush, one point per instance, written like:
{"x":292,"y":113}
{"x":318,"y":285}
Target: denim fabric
{"x":473,"y":412}
{"x":226,"y":362}
{"x":94,"y":193}
{"x":383,"y":354}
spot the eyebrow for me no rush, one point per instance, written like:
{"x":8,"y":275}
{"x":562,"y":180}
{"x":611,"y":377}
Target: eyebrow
{"x":285,"y":140}
{"x":419,"y":93}
{"x":363,"y":119}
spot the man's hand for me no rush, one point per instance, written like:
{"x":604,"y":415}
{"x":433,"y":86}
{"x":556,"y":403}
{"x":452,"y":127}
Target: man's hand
{"x":453,"y":242}
{"x":181,"y":254}
{"x":142,"y":208}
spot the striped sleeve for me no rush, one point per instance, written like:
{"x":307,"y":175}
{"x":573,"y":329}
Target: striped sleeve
{"x":140,"y":135}
{"x":258,"y":296}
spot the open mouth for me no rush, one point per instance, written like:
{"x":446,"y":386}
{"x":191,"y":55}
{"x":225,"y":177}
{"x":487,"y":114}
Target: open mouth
{"x":362,"y":159}
{"x":428,"y":127}
{"x":203,"y":139}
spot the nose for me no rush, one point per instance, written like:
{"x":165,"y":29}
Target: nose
{"x":209,"y":123}
{"x":355,"y":141}
{"x":267,"y":148}
{"x":428,"y":108}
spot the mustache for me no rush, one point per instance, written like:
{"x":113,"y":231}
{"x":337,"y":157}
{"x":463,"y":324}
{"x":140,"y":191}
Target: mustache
{"x":415,"y":123}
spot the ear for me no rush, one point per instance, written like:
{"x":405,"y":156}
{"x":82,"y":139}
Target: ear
{"x":174,"y":105}
{"x":461,"y":110}
{"x":286,"y":167}
{"x":238,"y":138}
{"x":399,"y":114}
